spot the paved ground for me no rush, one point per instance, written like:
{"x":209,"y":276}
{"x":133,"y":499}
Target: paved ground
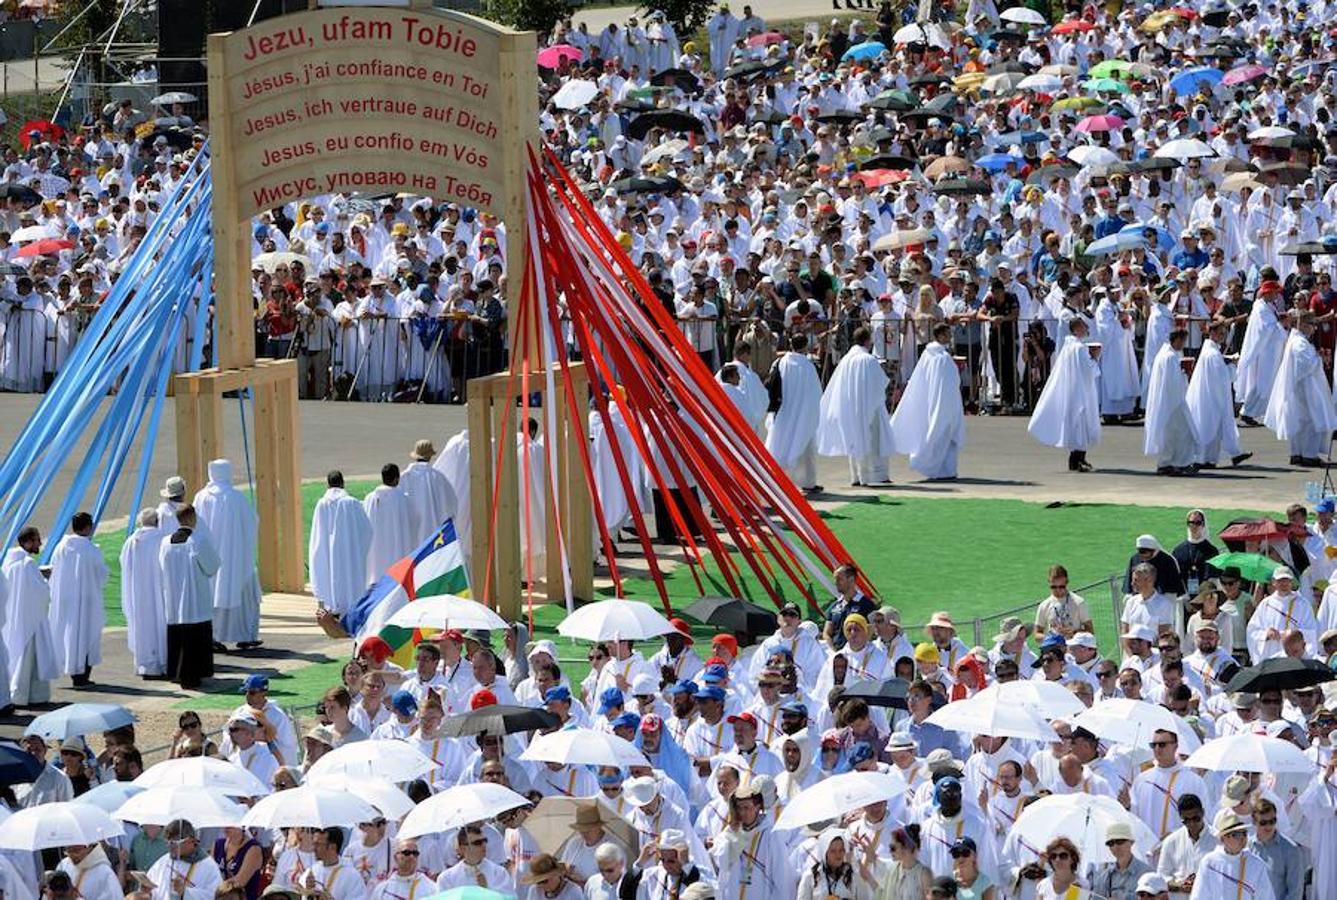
{"x":1000,"y":460}
{"x":771,"y":11}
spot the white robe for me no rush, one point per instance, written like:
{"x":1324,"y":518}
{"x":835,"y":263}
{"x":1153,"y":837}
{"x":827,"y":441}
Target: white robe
{"x":187,"y":574}
{"x":453,"y":462}
{"x":1067,"y":415}
{"x":853,"y":418}
{"x":1260,"y":355}
{"x":929,"y":425}
{"x":78,"y":576}
{"x":754,"y":397}
{"x":1119,"y":385}
{"x":794,"y":425}
{"x":142,"y":600}
{"x":1301,"y":408}
{"x":1159,"y":325}
{"x":1168,"y":432}
{"x":1211,"y":406}
{"x":27,"y":625}
{"x":1220,"y":875}
{"x":431,"y":499}
{"x":231,"y":522}
{"x":613,"y":500}
{"x":391,"y":519}
{"x":340,"y":541}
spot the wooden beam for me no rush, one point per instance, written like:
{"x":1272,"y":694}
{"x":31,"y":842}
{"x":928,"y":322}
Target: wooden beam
{"x":190,"y":461}
{"x":480,"y":492}
{"x":287,"y":423}
{"x":509,"y":562}
{"x":554,"y":476}
{"x":266,"y":485}
{"x":579,"y":519}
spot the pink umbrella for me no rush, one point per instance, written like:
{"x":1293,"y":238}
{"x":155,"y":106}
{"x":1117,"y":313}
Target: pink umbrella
{"x":762,"y":40}
{"x":48,"y":247}
{"x":1241,"y":74}
{"x":552,"y":57}
{"x":1107,"y":122}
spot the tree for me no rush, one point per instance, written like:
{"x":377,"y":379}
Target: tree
{"x":686,"y":16}
{"x":541,"y":16}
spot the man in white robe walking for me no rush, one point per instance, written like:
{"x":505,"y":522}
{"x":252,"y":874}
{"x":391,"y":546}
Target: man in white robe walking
{"x":1301,"y":408}
{"x":189,"y":563}
{"x":231,"y":523}
{"x":1260,"y":354}
{"x":929,"y":424}
{"x":78,"y":575}
{"x":453,"y":462}
{"x":853,"y":418}
{"x":391,"y":519}
{"x":1067,"y":414}
{"x":1211,"y":404}
{"x":1168,"y":430}
{"x":431,"y":497}
{"x":792,"y":439}
{"x":142,"y":597}
{"x":340,"y":541}
{"x":27,"y":629}
{"x":754,"y":397}
{"x":1119,"y":384}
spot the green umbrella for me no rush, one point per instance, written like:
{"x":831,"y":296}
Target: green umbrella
{"x":1106,"y":85}
{"x":1251,"y":566}
{"x":469,"y":892}
{"x":1110,"y":68}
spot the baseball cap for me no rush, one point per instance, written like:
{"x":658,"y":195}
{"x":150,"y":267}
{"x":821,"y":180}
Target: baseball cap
{"x":714,"y":674}
{"x":1152,"y":883}
{"x":710,"y":693}
{"x":255,"y":682}
{"x":964,"y":846}
{"x":627,"y":720}
{"x":682,"y":687}
{"x":609,"y":699}
{"x":559,"y":694}
{"x":794,"y":707}
{"x":404,"y":703}
{"x":744,"y":717}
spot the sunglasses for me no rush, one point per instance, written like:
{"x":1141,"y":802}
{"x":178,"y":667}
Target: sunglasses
{"x":408,"y":852}
{"x":1163,"y":743}
{"x":1061,"y":854}
{"x":194,"y":724}
{"x":1197,"y":522}
{"x":1266,"y":822}
{"x":481,"y":842}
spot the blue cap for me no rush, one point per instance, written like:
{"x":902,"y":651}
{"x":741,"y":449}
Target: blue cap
{"x":323,"y":228}
{"x":1326,"y":505}
{"x":255,"y":683}
{"x":682,"y":687}
{"x":609,"y":779}
{"x":797,"y":707}
{"x":261,"y":231}
{"x":1053,"y":641}
{"x":559,"y":694}
{"x":715,"y":674}
{"x":404,"y":703}
{"x":710,"y":693}
{"x":627,"y":720}
{"x":610,"y":698}
{"x":861,"y":753}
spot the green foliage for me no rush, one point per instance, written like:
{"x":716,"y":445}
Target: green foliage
{"x":528,"y":15}
{"x":686,"y":16}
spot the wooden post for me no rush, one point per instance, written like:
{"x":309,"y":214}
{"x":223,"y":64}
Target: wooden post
{"x":509,"y":563}
{"x":286,"y":499}
{"x":480,"y":490}
{"x":266,"y":481}
{"x":578,"y":519}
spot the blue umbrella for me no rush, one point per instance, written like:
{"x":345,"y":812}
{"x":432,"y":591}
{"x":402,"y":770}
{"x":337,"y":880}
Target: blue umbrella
{"x":866,"y":50}
{"x":1165,"y":241}
{"x":1116,"y":243}
{"x":997,"y":162}
{"x":1188,"y":81}
{"x":18,"y":766}
{"x":79,"y":719}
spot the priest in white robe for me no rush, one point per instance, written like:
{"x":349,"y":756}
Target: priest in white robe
{"x":1160,"y":322}
{"x":1168,"y":431}
{"x":929,"y":424}
{"x":231,"y":522}
{"x":1119,"y":384}
{"x":431,"y":498}
{"x":613,"y":500}
{"x":792,"y":439}
{"x":853,"y":418}
{"x":453,"y":462}
{"x":189,"y":563}
{"x":142,"y":597}
{"x":78,"y":575}
{"x":754,"y":398}
{"x":1211,"y":404}
{"x":1260,"y":355}
{"x":27,"y":629}
{"x":721,"y":31}
{"x":391,"y":518}
{"x":1301,"y":408}
{"x":340,"y":541}
{"x":1067,"y":415}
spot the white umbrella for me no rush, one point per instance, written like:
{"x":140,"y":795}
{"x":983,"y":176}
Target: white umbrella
{"x":895,"y":240}
{"x":171,"y":97}
{"x":584,"y":747}
{"x":57,"y":825}
{"x":447,"y":611}
{"x":309,"y":807}
{"x":575,"y":94}
{"x":1083,"y":819}
{"x":392,"y":760}
{"x":1057,"y":69}
{"x":1250,"y":753}
{"x":1090,"y":155}
{"x":460,"y":805}
{"x":201,"y":807}
{"x":1184,"y":148}
{"x":1270,"y":132}
{"x":1022,"y":16}
{"x":271,"y":261}
{"x":1050,"y":699}
{"x":33,"y":233}
{"x":1042,"y":82}
{"x":203,"y":771}
{"x":833,"y":797}
{"x":915,"y":33}
{"x":615,"y":620}
{"x":989,"y":713}
{"x":667,"y":149}
{"x":380,"y":793}
{"x":1002,"y":82}
{"x":1134,"y":722}
{"x":109,"y":795}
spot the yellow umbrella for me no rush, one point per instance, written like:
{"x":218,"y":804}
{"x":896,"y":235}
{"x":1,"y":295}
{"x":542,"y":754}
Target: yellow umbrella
{"x":1158,"y":21}
{"x":1075,"y":103}
{"x":969,"y":81}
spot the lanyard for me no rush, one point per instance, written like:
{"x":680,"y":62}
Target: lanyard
{"x":751,"y":862}
{"x":1239,"y":887}
{"x":1165,"y":804}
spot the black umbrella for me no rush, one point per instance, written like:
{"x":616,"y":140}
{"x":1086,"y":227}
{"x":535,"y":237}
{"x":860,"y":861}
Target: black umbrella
{"x":21,"y":192}
{"x":1283,"y":673}
{"x":962,"y":186}
{"x":1313,"y":248}
{"x":654,"y":184}
{"x":667,"y":119}
{"x":892,"y":101}
{"x":923,"y":114}
{"x":1046,"y":174}
{"x":753,"y":68}
{"x":1286,"y":172}
{"x":733,"y":615}
{"x":943,"y":103}
{"x":1215,"y":18}
{"x":497,"y":720}
{"x":888,"y":161}
{"x":8,"y":268}
{"x":1150,"y":164}
{"x":840,"y":117}
{"x":770,"y":117}
{"x":1010,"y":66}
{"x":889,"y":693}
{"x":928,"y":78}
{"x":634,"y":104}
{"x":678,"y":78}
{"x":18,"y":766}
{"x":175,"y":137}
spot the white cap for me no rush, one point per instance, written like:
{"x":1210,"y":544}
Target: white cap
{"x":1141,"y":632}
{"x":1283,"y":572}
{"x":1147,"y":542}
{"x":644,"y":683}
{"x":641,"y":790}
{"x":1152,"y":883}
{"x":1083,"y":639}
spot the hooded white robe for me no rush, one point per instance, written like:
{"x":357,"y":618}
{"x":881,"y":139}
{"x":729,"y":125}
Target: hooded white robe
{"x":78,"y":575}
{"x":1119,"y":385}
{"x":853,"y":417}
{"x":1211,"y":405}
{"x":6,"y":602}
{"x":929,"y":425}
{"x":793,"y":433}
{"x":231,"y":523}
{"x":453,"y":462}
{"x":613,"y":500}
{"x":1260,"y":355}
{"x":340,"y":542}
{"x":754,"y":397}
{"x":1159,"y":325}
{"x":431,"y":498}
{"x":27,"y":628}
{"x":142,"y":599}
{"x":1168,"y":431}
{"x":391,"y":519}
{"x":1067,"y":415}
{"x":1300,"y":409}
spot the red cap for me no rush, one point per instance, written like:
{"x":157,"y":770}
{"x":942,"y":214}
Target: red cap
{"x":744,"y":717}
{"x":451,"y":634}
{"x":727,"y":641}
{"x":376,"y":647}
{"x":482,"y":698}
{"x":651,"y":722}
{"x":716,"y":661}
{"x":1270,"y":287}
{"x":683,"y":628}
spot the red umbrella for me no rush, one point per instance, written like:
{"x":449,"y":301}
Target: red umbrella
{"x":46,"y":130}
{"x":48,"y":247}
{"x":876,"y":178}
{"x":1241,"y":74}
{"x":1068,"y":26}
{"x":770,"y":37}
{"x":1184,"y":12}
{"x":1242,"y":530}
{"x":552,"y":57}
{"x":1092,"y":124}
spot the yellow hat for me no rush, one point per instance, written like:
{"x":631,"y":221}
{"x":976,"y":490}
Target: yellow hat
{"x":625,"y":239}
{"x":852,"y":620}
{"x":399,"y":228}
{"x":926,"y":652}
{"x":689,"y":47}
